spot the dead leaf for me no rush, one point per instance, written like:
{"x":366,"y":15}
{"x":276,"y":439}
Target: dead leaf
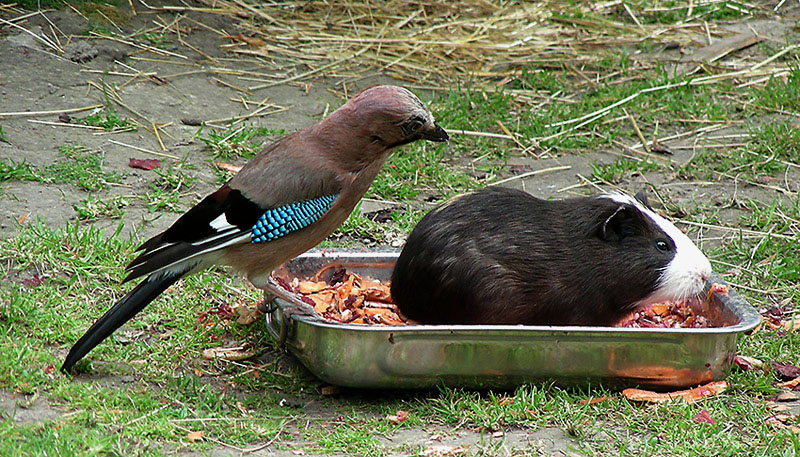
{"x":769,"y":259}
{"x":746,"y":363}
{"x":254,"y":42}
{"x":688,"y":396}
{"x":780,"y":420}
{"x":233,"y":353}
{"x":772,"y":406}
{"x":227,"y":167}
{"x":497,"y":434}
{"x":703,"y":417}
{"x":329,"y":390}
{"x":33,"y":282}
{"x":791,"y":324}
{"x":785,"y":370}
{"x":144,"y":164}
{"x":398,"y":417}
{"x":591,"y":401}
{"x":194,"y":437}
{"x":246,"y":315}
{"x":786,"y":396}
{"x":789,"y":384}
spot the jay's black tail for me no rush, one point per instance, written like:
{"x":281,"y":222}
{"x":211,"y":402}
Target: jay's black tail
{"x":133,"y":302}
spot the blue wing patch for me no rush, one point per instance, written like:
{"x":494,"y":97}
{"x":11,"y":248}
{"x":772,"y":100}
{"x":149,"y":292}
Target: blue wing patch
{"x":279,"y":221}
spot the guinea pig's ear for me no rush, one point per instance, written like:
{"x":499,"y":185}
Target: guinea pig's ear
{"x":617,"y":225}
{"x":641,"y":196}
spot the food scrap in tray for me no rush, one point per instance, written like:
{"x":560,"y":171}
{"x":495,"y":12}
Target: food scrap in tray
{"x":350,"y":298}
{"x":665,"y":315}
{"x":672,"y":314}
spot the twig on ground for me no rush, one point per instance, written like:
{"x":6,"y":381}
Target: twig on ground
{"x":530,"y":173}
{"x":137,"y":148}
{"x":49,"y":112}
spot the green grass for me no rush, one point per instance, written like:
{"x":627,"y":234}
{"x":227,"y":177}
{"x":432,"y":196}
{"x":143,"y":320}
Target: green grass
{"x":621,"y":170}
{"x":781,"y":93}
{"x":157,"y":40}
{"x":95,"y":207}
{"x":170,"y":184}
{"x":108,"y":120}
{"x":36,"y":4}
{"x":12,"y":170}
{"x":80,"y":167}
{"x":766,"y":154}
{"x":237,"y":141}
{"x":76,"y":165}
{"x":669,"y":12}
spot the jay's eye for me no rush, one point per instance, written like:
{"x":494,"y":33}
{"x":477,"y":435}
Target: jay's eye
{"x":662,"y":246}
{"x":411,"y":127}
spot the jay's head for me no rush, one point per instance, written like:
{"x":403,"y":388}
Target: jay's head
{"x":380,"y":118}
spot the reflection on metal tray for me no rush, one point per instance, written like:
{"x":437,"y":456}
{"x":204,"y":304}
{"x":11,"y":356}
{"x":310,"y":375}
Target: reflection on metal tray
{"x":497,"y":356}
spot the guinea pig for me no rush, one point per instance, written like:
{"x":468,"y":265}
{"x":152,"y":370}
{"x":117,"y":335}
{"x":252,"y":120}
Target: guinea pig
{"x":502,"y":256}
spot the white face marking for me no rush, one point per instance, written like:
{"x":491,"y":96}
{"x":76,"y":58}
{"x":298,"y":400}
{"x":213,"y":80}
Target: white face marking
{"x":686,"y":274}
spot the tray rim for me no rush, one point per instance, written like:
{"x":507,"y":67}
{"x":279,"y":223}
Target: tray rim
{"x":749,"y":317}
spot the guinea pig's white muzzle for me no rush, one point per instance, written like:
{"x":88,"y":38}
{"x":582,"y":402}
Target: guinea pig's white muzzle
{"x":686,"y":274}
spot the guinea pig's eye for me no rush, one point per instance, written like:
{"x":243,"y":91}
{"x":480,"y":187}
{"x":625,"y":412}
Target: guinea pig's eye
{"x":662,"y":246}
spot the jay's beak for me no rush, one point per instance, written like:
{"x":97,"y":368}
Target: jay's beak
{"x":436,"y":134}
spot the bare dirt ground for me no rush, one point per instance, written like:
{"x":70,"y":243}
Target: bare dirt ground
{"x":32,"y":79}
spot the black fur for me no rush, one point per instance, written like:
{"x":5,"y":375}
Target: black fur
{"x":133,"y":302}
{"x":501,"y":256}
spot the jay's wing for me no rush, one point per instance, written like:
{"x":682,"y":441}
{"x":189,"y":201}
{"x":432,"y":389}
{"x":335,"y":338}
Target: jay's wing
{"x":258,"y":205}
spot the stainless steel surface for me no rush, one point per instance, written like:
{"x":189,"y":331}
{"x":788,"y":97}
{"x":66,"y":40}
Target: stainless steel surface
{"x":497,"y":356}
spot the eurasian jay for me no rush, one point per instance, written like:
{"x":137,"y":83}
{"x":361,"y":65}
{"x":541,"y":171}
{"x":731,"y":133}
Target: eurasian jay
{"x":283,"y":202}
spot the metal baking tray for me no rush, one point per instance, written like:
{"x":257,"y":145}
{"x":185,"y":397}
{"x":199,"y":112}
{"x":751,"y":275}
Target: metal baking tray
{"x":497,"y":356}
